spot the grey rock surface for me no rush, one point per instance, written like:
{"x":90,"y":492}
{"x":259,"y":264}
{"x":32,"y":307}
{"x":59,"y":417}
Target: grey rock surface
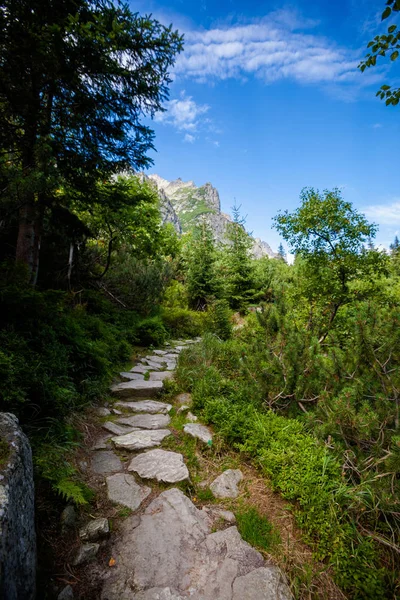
{"x":139,"y":440}
{"x":105,"y":462}
{"x":137,"y":389}
{"x":151,"y":365}
{"x":129,"y":376}
{"x":182,"y":409}
{"x":123,"y":489}
{"x":146,"y":421}
{"x":102,"y":411}
{"x":68,"y":518}
{"x":173,"y":555}
{"x":191,"y":417}
{"x":116,"y":429}
{"x":17,"y":517}
{"x":266,"y":582}
{"x":160,"y":352}
{"x":226,"y":484}
{"x":141,"y":369}
{"x":161,"y":375}
{"x":200,"y":432}
{"x":216,"y":513}
{"x":102,"y":443}
{"x":86,"y":553}
{"x":66,"y":594}
{"x":160,"y":360}
{"x":147,"y":406}
{"x":160,"y":465}
{"x":94,"y":530}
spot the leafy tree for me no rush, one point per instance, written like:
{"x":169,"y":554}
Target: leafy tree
{"x":328,"y":235}
{"x":382,"y":45}
{"x":201,"y":279}
{"x":240,"y":272}
{"x":77,"y":76}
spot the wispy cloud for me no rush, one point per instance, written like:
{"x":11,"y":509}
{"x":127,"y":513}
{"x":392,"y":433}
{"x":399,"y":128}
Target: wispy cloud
{"x":376,"y":125}
{"x":279,"y":46}
{"x":183,"y":113}
{"x":189,"y":138}
{"x":385,"y":214}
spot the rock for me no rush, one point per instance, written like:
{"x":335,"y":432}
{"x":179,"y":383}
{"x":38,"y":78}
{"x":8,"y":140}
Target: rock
{"x":173,"y":555}
{"x":160,"y":352}
{"x":216,"y":513}
{"x":161,"y":376}
{"x":105,"y":462}
{"x":129,"y":376}
{"x":141,"y":369}
{"x":123,"y":489}
{"x":147,"y":406}
{"x":94,"y":530}
{"x":267,"y":583}
{"x":225,"y":486}
{"x":66,"y":594}
{"x":102,"y":411}
{"x":151,"y":365}
{"x":199,"y":431}
{"x":101,"y":444}
{"x":137,"y":389}
{"x":171,"y":356}
{"x":191,"y":417}
{"x":17,"y":518}
{"x":116,"y":412}
{"x":157,"y":359}
{"x":68,"y":518}
{"x":115,"y":429}
{"x":138,"y":440}
{"x":160,"y":465}
{"x":184,"y":399}
{"x":171,"y":366}
{"x":156,"y":421}
{"x":86,"y":553}
{"x":182,"y":409}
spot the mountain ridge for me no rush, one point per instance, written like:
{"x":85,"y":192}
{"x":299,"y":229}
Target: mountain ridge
{"x":183,"y":204}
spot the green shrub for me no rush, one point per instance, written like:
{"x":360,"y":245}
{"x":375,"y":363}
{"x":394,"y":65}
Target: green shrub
{"x":183,"y":323}
{"x":219,"y":319}
{"x":256,"y":529}
{"x":151,"y":331}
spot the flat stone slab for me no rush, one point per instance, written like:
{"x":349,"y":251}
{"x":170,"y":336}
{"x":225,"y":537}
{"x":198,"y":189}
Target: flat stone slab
{"x":156,"y":421}
{"x":161,"y":375}
{"x":200,"y":432}
{"x":160,"y":352}
{"x":147,"y":406}
{"x":160,"y":360}
{"x":105,"y":462}
{"x":160,"y":465}
{"x":115,"y":429}
{"x":151,"y":364}
{"x":129,"y":376}
{"x":137,"y":389}
{"x":102,"y":443}
{"x":102,"y":411}
{"x":139,"y":440}
{"x":184,"y":399}
{"x":140,"y":369}
{"x":226,"y":485}
{"x":86,"y":553}
{"x":172,"y":555}
{"x":123,"y":489}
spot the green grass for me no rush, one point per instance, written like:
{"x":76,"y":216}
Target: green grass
{"x":256,"y":529}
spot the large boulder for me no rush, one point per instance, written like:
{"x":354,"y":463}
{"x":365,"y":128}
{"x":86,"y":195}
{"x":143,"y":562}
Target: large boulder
{"x":17,"y":517}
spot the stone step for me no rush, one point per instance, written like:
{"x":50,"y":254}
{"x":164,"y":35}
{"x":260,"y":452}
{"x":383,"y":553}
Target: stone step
{"x":170,"y":549}
{"x":139,"y":440}
{"x":137,"y":389}
{"x":123,"y":489}
{"x":151,"y":365}
{"x":161,"y":376}
{"x":140,"y":369}
{"x":116,"y":429}
{"x":226,"y":484}
{"x":160,"y":465}
{"x":146,"y":406}
{"x":198,"y":431}
{"x":148,"y":421}
{"x":129,"y":376}
{"x":105,"y":463}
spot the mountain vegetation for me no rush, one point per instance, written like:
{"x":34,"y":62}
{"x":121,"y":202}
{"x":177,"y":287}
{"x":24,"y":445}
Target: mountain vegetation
{"x":299,"y":366}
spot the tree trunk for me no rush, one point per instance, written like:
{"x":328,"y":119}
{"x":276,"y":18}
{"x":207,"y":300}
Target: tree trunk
{"x":28,"y":243}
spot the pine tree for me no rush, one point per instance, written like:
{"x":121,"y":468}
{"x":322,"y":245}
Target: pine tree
{"x":281,"y":252}
{"x":239,"y":265}
{"x":201,"y":280}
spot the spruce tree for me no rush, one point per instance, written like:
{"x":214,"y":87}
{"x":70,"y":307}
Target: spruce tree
{"x":239,"y":264}
{"x":201,"y":280}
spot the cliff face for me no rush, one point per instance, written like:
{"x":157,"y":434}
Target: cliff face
{"x":183,"y":204}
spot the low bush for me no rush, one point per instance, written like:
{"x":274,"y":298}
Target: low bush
{"x":183,"y":323}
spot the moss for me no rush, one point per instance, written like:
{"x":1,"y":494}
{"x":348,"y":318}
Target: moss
{"x":4,"y":452}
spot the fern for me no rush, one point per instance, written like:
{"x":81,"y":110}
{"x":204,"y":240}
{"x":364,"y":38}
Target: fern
{"x":71,"y":491}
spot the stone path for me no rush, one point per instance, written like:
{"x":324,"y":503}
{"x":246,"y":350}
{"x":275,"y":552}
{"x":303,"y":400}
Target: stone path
{"x":167,"y":550}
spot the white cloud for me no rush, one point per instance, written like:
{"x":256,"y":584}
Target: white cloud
{"x":273,"y":48}
{"x":376,"y":125}
{"x":183,"y":113}
{"x":189,"y":138}
{"x":385,"y":214}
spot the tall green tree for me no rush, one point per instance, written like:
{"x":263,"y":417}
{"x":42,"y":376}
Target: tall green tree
{"x":384,"y":45}
{"x":328,"y":235}
{"x":201,"y":278}
{"x":76,"y":78}
{"x":240,"y":282}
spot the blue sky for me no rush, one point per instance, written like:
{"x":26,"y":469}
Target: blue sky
{"x":267,"y":99}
